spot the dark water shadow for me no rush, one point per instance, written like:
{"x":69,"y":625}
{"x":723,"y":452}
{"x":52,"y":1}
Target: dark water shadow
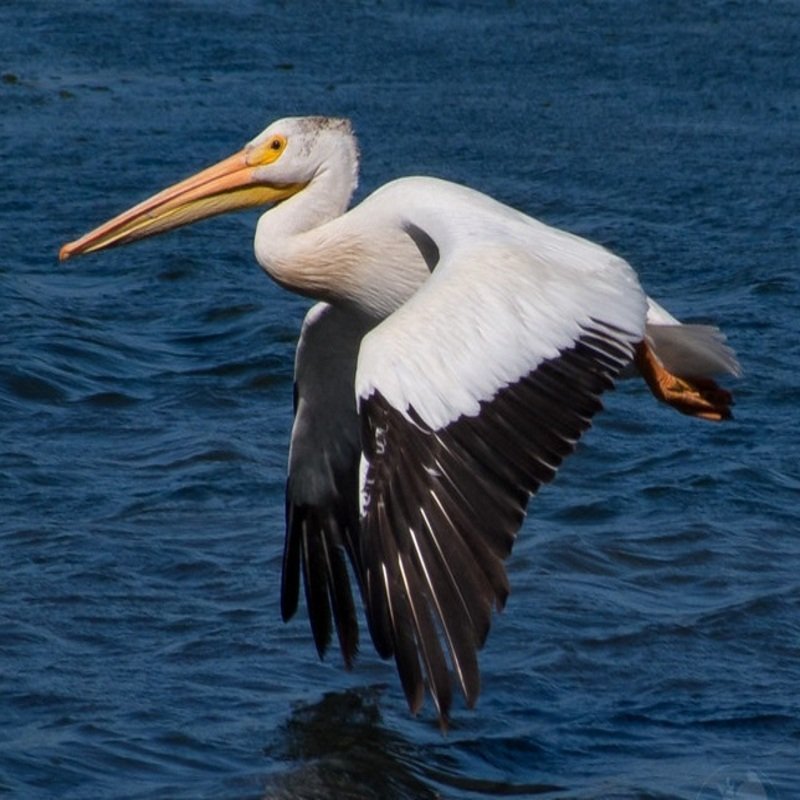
{"x":338,"y":747}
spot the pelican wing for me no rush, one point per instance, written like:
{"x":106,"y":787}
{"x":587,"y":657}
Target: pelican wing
{"x":321,"y":489}
{"x":470,"y":395}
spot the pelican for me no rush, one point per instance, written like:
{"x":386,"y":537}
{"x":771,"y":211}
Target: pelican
{"x":456,"y":353}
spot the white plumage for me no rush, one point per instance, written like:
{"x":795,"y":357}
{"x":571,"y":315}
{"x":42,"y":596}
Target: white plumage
{"x":458,"y":354}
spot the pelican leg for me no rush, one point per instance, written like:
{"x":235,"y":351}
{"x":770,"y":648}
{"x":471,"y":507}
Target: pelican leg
{"x":695,"y":396}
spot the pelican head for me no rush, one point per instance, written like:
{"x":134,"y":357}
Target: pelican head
{"x":280,"y":162}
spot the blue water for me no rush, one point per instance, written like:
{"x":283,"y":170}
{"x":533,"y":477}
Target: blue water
{"x":651,"y":645}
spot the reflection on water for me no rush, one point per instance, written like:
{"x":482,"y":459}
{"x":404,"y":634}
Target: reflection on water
{"x":339,"y":748}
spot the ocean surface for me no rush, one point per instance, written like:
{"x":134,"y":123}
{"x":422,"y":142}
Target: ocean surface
{"x":651,"y":644}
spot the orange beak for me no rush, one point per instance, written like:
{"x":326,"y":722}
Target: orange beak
{"x":230,"y":185}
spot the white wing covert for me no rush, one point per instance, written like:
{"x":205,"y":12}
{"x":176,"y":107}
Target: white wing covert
{"x":470,"y":395}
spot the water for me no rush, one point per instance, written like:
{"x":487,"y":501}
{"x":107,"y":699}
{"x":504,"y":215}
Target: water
{"x":651,"y":645}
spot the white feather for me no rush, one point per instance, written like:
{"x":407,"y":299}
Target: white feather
{"x":507,"y":294}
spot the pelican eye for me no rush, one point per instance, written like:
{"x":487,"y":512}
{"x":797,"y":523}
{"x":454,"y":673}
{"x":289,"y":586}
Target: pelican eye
{"x":270,"y":150}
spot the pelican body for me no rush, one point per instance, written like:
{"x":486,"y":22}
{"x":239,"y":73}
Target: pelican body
{"x":457,"y":352}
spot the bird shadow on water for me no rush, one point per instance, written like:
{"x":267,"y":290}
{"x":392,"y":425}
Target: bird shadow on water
{"x":339,"y":747}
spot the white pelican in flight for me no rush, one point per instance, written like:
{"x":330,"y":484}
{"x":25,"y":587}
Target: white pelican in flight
{"x":457,"y":353}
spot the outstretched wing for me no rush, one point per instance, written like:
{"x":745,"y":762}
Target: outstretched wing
{"x":470,"y":395}
{"x":321,"y":489}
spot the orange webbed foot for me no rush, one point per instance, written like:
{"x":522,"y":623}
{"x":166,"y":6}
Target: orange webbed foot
{"x":696,"y":397}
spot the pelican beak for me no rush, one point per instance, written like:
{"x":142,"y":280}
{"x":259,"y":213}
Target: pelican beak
{"x":230,"y":185}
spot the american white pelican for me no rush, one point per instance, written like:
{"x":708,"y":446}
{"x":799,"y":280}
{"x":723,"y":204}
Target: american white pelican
{"x":458,"y":354}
